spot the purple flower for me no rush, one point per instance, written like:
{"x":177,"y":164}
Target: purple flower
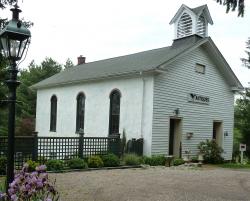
{"x":22,"y":188}
{"x":14,"y":198}
{"x":39,"y":183}
{"x":13,"y":184}
{"x":11,"y":191}
{"x":28,"y":187}
{"x":2,"y":195}
{"x":34,"y":174}
{"x":33,"y":180}
{"x":41,"y":168}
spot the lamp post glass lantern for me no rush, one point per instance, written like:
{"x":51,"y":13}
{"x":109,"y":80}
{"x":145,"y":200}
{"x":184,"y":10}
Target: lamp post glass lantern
{"x":14,"y":39}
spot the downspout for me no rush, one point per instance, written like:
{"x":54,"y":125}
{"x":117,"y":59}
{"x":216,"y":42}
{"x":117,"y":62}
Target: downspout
{"x":142,"y":108}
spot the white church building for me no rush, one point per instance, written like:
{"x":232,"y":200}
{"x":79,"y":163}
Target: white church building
{"x":173,"y":97}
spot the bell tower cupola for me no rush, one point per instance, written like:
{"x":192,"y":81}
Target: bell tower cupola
{"x":191,"y":21}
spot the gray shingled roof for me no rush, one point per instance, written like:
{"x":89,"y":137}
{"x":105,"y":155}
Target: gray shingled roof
{"x":199,"y":9}
{"x":138,"y":62}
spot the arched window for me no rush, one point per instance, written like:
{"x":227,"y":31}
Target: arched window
{"x":114,"y":112}
{"x":201,"y":26}
{"x":184,"y":26}
{"x":80,"y":108}
{"x":53,"y":113}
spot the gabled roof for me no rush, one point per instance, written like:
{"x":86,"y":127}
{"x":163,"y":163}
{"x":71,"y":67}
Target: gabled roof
{"x":196,"y":11}
{"x":147,"y":61}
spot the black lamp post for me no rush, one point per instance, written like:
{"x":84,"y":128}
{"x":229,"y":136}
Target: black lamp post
{"x":13,"y":42}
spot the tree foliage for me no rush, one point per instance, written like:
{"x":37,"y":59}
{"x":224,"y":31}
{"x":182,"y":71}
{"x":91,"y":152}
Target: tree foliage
{"x":242,"y":118}
{"x":246,"y":61}
{"x":26,"y":97}
{"x":3,"y":21}
{"x":232,"y":5}
{"x":68,"y":64}
{"x":3,"y":4}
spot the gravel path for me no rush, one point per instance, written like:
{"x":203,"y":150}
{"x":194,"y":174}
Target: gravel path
{"x":154,"y":184}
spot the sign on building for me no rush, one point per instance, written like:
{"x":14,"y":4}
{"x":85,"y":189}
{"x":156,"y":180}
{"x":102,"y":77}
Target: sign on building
{"x":195,"y":98}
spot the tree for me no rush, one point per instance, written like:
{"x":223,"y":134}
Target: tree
{"x":3,"y":4}
{"x":26,"y":97}
{"x":246,"y":61}
{"x":68,"y":64}
{"x":231,"y":5}
{"x":26,"y":105}
{"x":242,"y":118}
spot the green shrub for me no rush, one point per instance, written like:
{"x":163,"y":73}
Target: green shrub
{"x":3,"y":164}
{"x":178,"y":161}
{"x":32,"y":165}
{"x":54,"y":165}
{"x":110,"y":160}
{"x":95,"y":162}
{"x":76,"y":163}
{"x":155,"y":160}
{"x":212,"y":152}
{"x":42,"y":159}
{"x":194,"y":159}
{"x":132,"y":159}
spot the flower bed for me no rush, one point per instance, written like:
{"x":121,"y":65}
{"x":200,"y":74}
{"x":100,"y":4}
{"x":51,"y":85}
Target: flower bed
{"x":31,"y":186}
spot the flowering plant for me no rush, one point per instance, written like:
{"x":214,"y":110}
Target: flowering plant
{"x":34,"y":186}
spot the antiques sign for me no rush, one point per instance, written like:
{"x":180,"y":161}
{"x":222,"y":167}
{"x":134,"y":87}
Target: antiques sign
{"x":195,"y":98}
{"x":243,"y":147}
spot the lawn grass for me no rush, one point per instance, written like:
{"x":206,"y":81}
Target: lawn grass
{"x":235,"y":166}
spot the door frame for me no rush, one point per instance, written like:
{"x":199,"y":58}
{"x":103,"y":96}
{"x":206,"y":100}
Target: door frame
{"x":219,"y":136}
{"x":180,"y":134}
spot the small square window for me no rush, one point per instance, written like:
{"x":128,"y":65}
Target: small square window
{"x":199,"y":68}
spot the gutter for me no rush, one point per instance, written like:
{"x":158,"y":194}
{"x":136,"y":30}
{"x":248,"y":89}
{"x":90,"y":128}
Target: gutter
{"x":130,"y":74}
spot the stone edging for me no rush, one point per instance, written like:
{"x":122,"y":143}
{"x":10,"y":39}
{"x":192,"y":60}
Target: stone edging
{"x":93,"y":169}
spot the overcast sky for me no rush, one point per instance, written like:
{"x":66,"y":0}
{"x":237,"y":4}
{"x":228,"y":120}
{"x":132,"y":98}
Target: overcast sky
{"x":103,"y":29}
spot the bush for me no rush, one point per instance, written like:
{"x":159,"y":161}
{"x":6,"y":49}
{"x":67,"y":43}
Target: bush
{"x":194,"y":159}
{"x":178,"y":161}
{"x":132,"y":159}
{"x":76,"y":163}
{"x":110,"y":160}
{"x":155,"y":160}
{"x":95,"y":162}
{"x":42,"y":159}
{"x":54,"y":165}
{"x":212,"y":152}
{"x":3,"y":164}
{"x":31,"y":165}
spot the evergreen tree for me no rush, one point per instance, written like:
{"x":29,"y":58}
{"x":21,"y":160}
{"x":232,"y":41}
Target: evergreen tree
{"x":68,"y":64}
{"x":231,"y":5}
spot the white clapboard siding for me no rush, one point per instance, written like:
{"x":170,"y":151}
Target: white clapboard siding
{"x":171,"y":91}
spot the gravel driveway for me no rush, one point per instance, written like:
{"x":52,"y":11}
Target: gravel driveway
{"x":154,"y":184}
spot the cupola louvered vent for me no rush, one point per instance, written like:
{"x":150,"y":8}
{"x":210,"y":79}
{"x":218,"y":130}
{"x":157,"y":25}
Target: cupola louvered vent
{"x":184,"y":26}
{"x":201,"y":26}
{"x":191,"y":21}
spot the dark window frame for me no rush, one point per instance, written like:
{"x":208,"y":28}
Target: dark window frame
{"x":80,"y":112}
{"x":202,"y":65}
{"x":114,"y":111}
{"x":53,"y":113}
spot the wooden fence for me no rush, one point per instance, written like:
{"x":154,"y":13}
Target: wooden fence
{"x":41,"y":149}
